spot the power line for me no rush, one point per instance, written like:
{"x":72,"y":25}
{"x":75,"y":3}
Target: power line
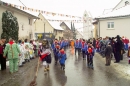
{"x":22,"y":3}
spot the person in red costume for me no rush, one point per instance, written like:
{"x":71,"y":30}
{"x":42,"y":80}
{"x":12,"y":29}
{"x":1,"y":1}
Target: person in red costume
{"x":97,"y":45}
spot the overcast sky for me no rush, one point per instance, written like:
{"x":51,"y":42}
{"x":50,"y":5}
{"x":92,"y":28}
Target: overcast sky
{"x":71,"y":7}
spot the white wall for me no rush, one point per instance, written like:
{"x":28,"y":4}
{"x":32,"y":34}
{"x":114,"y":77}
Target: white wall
{"x":121,"y":4}
{"x":121,"y":27}
{"x":22,"y":20}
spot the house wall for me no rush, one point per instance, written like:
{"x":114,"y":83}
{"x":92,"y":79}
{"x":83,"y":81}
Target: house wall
{"x":95,"y":31}
{"x":121,"y":4}
{"x":67,"y":33}
{"x":121,"y":27}
{"x":58,"y":34}
{"x":39,"y":25}
{"x":25,"y":30}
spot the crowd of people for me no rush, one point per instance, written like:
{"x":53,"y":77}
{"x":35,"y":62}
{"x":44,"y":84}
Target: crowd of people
{"x":23,"y":51}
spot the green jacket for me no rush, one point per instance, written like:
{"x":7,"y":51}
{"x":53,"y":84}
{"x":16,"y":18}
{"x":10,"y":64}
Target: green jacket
{"x":12,"y":52}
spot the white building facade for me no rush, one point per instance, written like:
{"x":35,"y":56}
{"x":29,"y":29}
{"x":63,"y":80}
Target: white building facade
{"x":87,"y":26}
{"x":24,"y":20}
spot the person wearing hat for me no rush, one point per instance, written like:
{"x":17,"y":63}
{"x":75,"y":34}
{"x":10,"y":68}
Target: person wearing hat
{"x":62,"y":58}
{"x":118,"y":48}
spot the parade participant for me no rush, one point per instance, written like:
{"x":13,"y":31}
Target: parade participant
{"x":72,"y":46}
{"x":80,"y":46}
{"x":76,"y":46}
{"x":2,"y":59}
{"x":57,"y":49}
{"x":37,"y":48}
{"x":45,"y":53}
{"x":12,"y":50}
{"x":118,"y":47}
{"x":83,"y":49}
{"x":108,"y":54}
{"x":31,"y":51}
{"x":22,"y":52}
{"x":126,"y":43}
{"x":62,"y":58}
{"x":97,"y":45}
{"x":90,"y":56}
{"x":113,"y":42}
{"x":128,"y":54}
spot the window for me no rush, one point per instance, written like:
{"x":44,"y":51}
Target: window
{"x":126,"y":3}
{"x":110,"y":25}
{"x":29,"y":21}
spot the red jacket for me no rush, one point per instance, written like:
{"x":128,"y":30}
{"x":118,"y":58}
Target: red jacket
{"x":97,"y":44}
{"x":126,"y":41}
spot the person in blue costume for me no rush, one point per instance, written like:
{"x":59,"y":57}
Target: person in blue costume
{"x":76,"y":44}
{"x":84,"y":48}
{"x":80,"y":46}
{"x":62,"y":58}
{"x":57,"y":49}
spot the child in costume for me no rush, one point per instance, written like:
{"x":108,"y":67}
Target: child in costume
{"x":90,"y":54}
{"x":57,"y":49}
{"x":27,"y":58}
{"x":62,"y":58}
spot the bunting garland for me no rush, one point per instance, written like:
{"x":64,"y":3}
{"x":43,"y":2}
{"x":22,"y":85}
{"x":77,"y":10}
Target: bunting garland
{"x":36,"y":10}
{"x":81,"y":20}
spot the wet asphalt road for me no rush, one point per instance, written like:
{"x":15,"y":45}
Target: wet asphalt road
{"x":78,"y":74}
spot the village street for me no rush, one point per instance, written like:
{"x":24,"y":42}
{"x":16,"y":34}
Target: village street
{"x":76,"y":74}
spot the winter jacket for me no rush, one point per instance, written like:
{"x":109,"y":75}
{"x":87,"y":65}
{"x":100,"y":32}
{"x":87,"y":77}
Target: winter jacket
{"x":62,"y":58}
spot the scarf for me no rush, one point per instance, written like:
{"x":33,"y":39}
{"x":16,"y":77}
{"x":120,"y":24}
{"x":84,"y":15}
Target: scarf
{"x":83,"y":43}
{"x":11,"y":42}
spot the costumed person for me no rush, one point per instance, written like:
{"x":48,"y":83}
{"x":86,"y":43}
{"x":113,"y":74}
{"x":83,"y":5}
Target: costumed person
{"x":13,"y":52}
{"x":72,"y":46}
{"x":57,"y":49}
{"x":97,"y":45}
{"x":22,"y":52}
{"x":76,"y":46}
{"x":83,"y":49}
{"x":37,"y":47}
{"x":27,"y":56}
{"x":31,"y":51}
{"x":80,"y":46}
{"x":108,"y":54}
{"x":118,"y":48}
{"x":45,"y":55}
{"x":90,"y":55}
{"x":128,"y":54}
{"x":2,"y":59}
{"x":62,"y":58}
{"x":126,"y":43}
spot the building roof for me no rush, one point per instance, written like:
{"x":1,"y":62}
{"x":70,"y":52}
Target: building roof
{"x":117,"y":5}
{"x":68,"y":24}
{"x":122,"y":12}
{"x":55,"y":25}
{"x":18,"y":9}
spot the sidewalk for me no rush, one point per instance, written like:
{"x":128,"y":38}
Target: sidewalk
{"x":123,"y":67}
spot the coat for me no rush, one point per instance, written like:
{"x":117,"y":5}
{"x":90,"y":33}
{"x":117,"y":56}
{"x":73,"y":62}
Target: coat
{"x":12,"y":52}
{"x":62,"y":58}
{"x":108,"y":51}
